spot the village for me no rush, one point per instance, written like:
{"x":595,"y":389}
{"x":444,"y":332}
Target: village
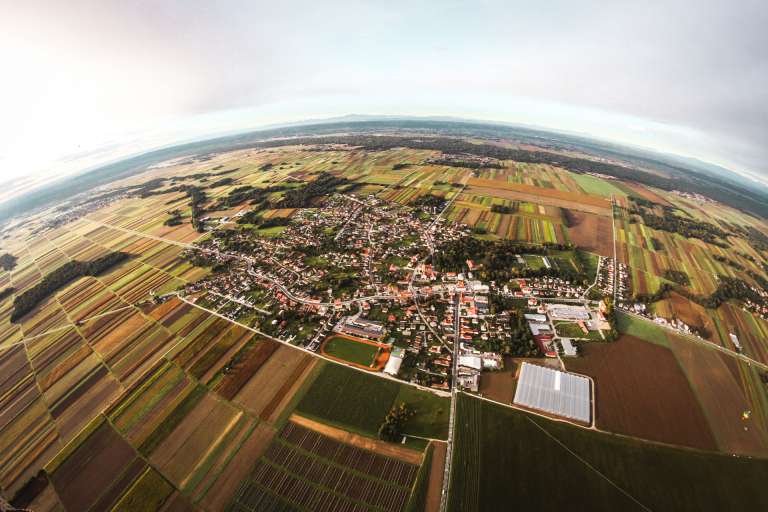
{"x":359,"y":272}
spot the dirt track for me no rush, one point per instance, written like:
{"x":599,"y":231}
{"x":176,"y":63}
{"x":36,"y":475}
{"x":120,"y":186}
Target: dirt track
{"x":374,"y":445}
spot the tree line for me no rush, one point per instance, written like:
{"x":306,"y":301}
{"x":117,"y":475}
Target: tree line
{"x":249,"y":193}
{"x":687,"y":227}
{"x":728,"y":288}
{"x":6,"y":292}
{"x":26,"y":302}
{"x":302,"y":197}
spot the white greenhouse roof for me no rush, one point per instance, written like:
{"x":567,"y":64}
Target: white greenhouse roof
{"x":560,"y":393}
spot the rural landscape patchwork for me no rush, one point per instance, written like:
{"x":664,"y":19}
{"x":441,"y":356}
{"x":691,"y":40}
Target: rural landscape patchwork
{"x":383,"y":316}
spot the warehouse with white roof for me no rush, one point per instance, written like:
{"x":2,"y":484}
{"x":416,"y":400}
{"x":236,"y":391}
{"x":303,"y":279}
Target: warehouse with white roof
{"x":559,"y":393}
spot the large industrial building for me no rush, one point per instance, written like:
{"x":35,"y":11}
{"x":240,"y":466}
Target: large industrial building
{"x":559,"y":393}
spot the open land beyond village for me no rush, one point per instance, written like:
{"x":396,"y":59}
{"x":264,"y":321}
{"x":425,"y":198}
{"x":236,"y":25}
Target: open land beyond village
{"x":379,"y":318}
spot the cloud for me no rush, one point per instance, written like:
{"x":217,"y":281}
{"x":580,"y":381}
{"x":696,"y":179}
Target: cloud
{"x":691,"y":75}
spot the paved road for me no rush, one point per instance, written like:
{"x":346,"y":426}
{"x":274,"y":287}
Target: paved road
{"x":314,"y":354}
{"x":424,"y":260}
{"x":615,"y":263}
{"x":447,"y":475}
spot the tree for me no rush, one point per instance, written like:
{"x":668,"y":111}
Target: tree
{"x":8,"y":261}
{"x":391,"y":429}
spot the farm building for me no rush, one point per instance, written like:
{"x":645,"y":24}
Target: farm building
{"x":568,"y":348}
{"x":735,"y":341}
{"x":537,"y":328}
{"x":566,"y":312}
{"x":560,"y":393}
{"x":361,"y":327}
{"x":395,"y":361}
{"x":474,"y":362}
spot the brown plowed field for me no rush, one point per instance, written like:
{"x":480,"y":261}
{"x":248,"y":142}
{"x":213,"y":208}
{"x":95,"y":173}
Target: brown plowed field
{"x":262,"y":388}
{"x":245,"y":368}
{"x":500,"y":386}
{"x":721,"y":397}
{"x":692,"y":314}
{"x":593,"y":233}
{"x":273,"y":409}
{"x":91,"y":468}
{"x":641,"y":391}
{"x":436,"y":477}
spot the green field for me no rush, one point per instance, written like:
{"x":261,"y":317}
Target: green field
{"x":419,"y":497}
{"x":505,"y":457}
{"x":643,"y":329}
{"x":349,"y":350}
{"x":358,"y":402}
{"x":272,"y":232}
{"x":431,"y":412}
{"x":569,"y":330}
{"x":594,"y":185}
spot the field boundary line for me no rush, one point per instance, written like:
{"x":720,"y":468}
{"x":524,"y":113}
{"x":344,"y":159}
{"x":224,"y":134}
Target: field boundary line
{"x":590,"y":466}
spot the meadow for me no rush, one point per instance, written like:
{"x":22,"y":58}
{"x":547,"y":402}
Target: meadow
{"x":506,"y":454}
{"x":358,"y":402}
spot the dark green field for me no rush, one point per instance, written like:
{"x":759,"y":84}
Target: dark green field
{"x":359,"y":402}
{"x":504,"y":457}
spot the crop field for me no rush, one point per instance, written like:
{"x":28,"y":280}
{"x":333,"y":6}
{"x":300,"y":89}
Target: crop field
{"x":751,"y":330}
{"x":305,"y":469}
{"x":349,"y":398}
{"x":178,"y":316}
{"x":359,"y":402}
{"x":726,"y":389}
{"x":208,"y":348}
{"x":28,"y":435}
{"x":87,"y":297}
{"x":723,"y":386}
{"x":47,"y":316}
{"x":143,"y":407}
{"x":128,"y":342}
{"x":536,"y":175}
{"x":509,"y":453}
{"x":641,"y":391}
{"x":95,"y":469}
{"x":539,"y":195}
{"x":601,"y":187}
{"x":75,"y":383}
{"x":203,"y":440}
{"x":133,"y":281}
{"x":243,"y":365}
{"x":530,"y":223}
{"x":268,"y":390}
{"x":593,"y":233}
{"x":149,"y":492}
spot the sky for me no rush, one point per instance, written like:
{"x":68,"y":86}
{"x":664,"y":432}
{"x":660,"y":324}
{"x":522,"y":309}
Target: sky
{"x":86,"y":82}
